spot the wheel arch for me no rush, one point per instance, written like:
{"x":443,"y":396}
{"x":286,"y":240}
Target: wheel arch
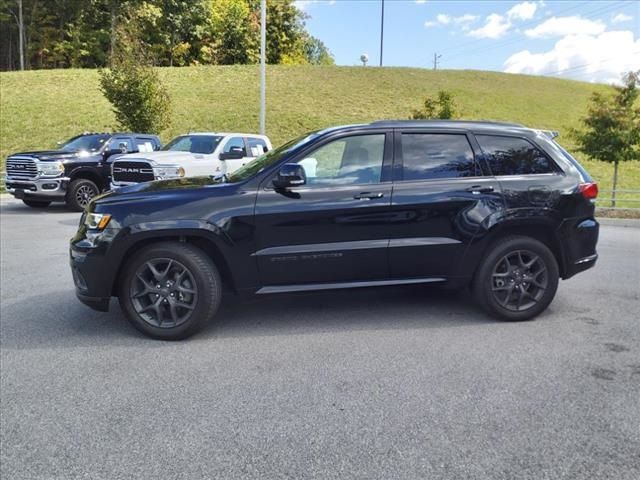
{"x":545,"y":231}
{"x":200,"y":240}
{"x":88,"y":174}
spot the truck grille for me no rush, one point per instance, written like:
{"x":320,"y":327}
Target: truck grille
{"x":132,"y":171}
{"x":21,"y":168}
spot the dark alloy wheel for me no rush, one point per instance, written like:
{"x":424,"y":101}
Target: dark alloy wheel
{"x":517,"y":279}
{"x":170,"y":290}
{"x":164,"y":292}
{"x":80,"y":193}
{"x":36,"y":203}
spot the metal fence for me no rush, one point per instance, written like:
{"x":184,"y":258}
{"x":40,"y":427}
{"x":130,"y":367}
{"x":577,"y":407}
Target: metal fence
{"x":624,"y":199}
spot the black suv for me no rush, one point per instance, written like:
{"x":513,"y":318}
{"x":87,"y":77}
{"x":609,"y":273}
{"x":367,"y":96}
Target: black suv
{"x":76,"y":172}
{"x":496,"y":206}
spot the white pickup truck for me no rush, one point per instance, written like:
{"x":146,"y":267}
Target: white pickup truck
{"x":190,"y":155}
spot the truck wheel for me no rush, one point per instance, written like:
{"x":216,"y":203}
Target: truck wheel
{"x":517,"y":280}
{"x":170,"y":291}
{"x":80,"y":193}
{"x":36,"y":203}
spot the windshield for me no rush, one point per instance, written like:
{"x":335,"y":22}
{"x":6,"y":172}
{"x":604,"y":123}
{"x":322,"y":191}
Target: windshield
{"x":269,"y":158}
{"x":87,"y":143}
{"x":204,"y":144}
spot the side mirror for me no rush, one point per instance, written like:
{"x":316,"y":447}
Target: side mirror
{"x":290,"y":175}
{"x":235,"y":153}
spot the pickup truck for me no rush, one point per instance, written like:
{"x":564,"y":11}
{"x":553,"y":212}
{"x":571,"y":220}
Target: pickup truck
{"x":190,"y":155}
{"x":76,"y":172}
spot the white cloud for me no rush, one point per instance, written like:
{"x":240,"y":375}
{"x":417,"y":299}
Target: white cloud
{"x":443,"y":19}
{"x":522,"y":11}
{"x":561,"y":26}
{"x":621,"y":17}
{"x":602,"y":57}
{"x":466,"y":18}
{"x":304,"y":4}
{"x":495,"y":26}
{"x":420,"y":2}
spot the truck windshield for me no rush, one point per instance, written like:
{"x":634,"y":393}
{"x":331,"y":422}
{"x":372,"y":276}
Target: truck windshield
{"x":204,"y":144}
{"x":269,"y":158}
{"x":86,"y":143}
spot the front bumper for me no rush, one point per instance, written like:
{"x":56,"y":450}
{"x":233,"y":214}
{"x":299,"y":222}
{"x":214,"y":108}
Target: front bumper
{"x":54,"y":188}
{"x":93,"y":270}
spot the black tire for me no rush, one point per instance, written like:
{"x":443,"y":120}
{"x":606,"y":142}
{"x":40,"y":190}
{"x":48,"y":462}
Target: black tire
{"x":509,"y":290}
{"x":158,"y":312}
{"x":36,"y":203}
{"x":80,"y":193}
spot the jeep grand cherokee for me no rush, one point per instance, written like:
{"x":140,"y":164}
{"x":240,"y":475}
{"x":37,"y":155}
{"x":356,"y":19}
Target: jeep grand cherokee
{"x":499,"y":207}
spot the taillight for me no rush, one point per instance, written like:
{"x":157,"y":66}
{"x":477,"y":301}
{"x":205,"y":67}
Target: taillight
{"x":589,"y":190}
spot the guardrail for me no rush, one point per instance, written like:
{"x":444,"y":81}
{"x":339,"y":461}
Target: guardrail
{"x":630,"y":198}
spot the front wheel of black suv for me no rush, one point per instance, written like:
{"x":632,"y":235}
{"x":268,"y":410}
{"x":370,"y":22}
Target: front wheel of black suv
{"x":36,"y":203}
{"x":170,"y":290}
{"x":517,"y":280}
{"x":80,"y":193}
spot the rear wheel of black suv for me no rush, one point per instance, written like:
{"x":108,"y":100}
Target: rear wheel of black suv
{"x":36,"y":203}
{"x":80,"y":193}
{"x":170,"y":290}
{"x":517,"y":280}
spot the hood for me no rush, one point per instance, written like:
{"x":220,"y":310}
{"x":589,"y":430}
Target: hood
{"x":162,"y":156}
{"x":52,"y":155}
{"x":168,"y":188}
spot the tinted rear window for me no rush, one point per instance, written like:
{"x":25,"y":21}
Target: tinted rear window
{"x":434,"y":155}
{"x":513,"y":156}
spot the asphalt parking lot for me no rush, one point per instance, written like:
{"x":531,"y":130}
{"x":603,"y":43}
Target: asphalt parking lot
{"x":388,"y":383}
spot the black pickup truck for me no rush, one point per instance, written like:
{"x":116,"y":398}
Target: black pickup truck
{"x":75,"y":173}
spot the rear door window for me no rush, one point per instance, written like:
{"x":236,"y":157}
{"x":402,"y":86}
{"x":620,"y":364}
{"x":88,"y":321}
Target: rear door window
{"x":257,"y":146}
{"x":145,"y":144}
{"x":427,"y":156}
{"x":123,"y":144}
{"x":514,"y":156}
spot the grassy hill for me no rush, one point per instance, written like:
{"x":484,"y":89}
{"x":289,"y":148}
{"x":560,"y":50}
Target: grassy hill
{"x":38,"y":108}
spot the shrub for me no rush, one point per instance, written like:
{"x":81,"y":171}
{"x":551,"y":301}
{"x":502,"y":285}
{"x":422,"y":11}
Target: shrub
{"x":140,"y":100}
{"x":442,"y":107}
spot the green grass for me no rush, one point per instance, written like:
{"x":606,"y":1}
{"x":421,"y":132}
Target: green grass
{"x":39,"y":108}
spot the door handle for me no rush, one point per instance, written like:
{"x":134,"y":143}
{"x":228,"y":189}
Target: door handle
{"x":368,"y":196}
{"x":477,"y":189}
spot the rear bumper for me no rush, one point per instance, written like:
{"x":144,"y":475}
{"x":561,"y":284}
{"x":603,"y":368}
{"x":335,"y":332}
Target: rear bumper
{"x":38,"y":188}
{"x":579,"y":239}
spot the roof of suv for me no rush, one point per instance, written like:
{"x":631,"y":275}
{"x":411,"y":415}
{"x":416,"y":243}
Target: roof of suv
{"x":471,"y":125}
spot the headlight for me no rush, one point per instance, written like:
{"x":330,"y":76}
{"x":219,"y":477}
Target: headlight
{"x":162,"y":173}
{"x":50,"y":169}
{"x":96,"y":221}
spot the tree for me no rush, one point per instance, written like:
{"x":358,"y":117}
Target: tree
{"x":441,"y":107}
{"x":140,"y":101}
{"x":612,"y":126}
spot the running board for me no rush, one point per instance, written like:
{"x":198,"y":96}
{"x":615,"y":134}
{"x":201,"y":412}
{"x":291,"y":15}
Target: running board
{"x":340,"y":285}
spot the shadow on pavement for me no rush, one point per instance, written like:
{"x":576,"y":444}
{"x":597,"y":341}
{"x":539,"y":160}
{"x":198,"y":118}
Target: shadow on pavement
{"x":11,"y":206}
{"x":58,"y":319}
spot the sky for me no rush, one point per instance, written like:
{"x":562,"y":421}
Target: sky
{"x":594,"y":41}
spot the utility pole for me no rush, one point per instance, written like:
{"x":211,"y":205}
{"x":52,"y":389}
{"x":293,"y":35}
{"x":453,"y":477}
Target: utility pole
{"x":263,"y":62}
{"x":381,"y":31}
{"x":21,"y":34}
{"x":436,"y":60}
